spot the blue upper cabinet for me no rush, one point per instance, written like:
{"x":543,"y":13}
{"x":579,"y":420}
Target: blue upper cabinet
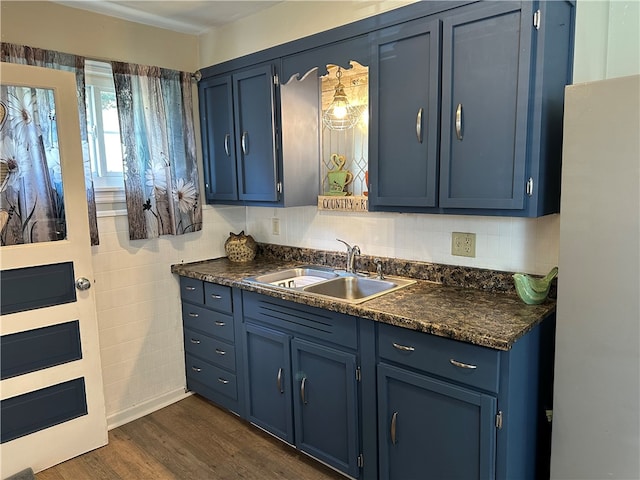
{"x":218,"y":139}
{"x":493,"y":144}
{"x":404,"y":94}
{"x":238,"y":115}
{"x":485,"y":96}
{"x":254,"y":104}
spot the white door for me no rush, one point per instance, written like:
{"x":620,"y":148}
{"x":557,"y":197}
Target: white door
{"x":59,"y":442}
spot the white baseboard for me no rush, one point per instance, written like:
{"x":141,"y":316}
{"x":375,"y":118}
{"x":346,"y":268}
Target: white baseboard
{"x":146,"y":408}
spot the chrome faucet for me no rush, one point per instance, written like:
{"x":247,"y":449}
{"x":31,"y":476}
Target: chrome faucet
{"x":351,"y":256}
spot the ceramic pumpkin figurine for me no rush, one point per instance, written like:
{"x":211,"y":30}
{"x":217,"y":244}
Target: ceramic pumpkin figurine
{"x":240,"y":247}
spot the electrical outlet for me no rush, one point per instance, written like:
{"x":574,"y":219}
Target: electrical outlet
{"x":275,"y":226}
{"x":463,"y":244}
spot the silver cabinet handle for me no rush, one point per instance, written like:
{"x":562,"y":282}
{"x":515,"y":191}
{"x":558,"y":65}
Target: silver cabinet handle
{"x":190,"y":288}
{"x":243,"y":142}
{"x":459,"y":125}
{"x":227,"y":137}
{"x":215,"y":296}
{"x":195,"y":341}
{"x":279,"y":381}
{"x":404,"y":348}
{"x":462,"y":365}
{"x":219,"y":323}
{"x":193,"y":314}
{"x":196,"y":369}
{"x":223,"y":381}
{"x":220,"y":352}
{"x":303,"y":395}
{"x":419,"y":125}
{"x":394,"y":421}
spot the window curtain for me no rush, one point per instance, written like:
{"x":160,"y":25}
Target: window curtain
{"x":62,"y":61}
{"x":162,"y":189}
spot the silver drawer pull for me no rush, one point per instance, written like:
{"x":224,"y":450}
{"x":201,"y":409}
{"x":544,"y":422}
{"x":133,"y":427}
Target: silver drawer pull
{"x":459,"y":122}
{"x":279,"y":381}
{"x":223,"y":381}
{"x":404,"y":348}
{"x":216,"y":296}
{"x":193,"y":314}
{"x":190,"y":288}
{"x":195,"y":340}
{"x":220,"y":352}
{"x":219,"y":323}
{"x":462,"y":365}
{"x":196,"y":369}
{"x":394,"y":423}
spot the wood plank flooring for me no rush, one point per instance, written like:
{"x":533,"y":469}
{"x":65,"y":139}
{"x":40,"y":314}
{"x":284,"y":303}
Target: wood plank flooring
{"x":191,"y":439}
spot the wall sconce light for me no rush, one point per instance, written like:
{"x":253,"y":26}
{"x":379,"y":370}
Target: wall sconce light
{"x":340,"y":115}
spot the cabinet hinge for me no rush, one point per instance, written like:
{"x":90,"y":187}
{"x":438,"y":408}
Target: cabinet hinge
{"x":499,"y":420}
{"x":530,"y":187}
{"x":276,"y":80}
{"x":360,"y":461}
{"x":537,"y":19}
{"x":279,"y":187}
{"x":358,"y":374}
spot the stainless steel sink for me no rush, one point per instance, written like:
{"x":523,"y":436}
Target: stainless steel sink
{"x":295,"y":277}
{"x":356,"y":289}
{"x":325,"y":282}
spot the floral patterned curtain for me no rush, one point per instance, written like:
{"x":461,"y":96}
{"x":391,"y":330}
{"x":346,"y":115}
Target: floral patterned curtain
{"x":61,"y":61}
{"x":162,"y":189}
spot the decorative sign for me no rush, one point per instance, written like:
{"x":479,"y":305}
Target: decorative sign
{"x":343,"y":204}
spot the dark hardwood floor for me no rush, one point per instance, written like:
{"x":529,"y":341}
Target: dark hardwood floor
{"x":191,"y":439}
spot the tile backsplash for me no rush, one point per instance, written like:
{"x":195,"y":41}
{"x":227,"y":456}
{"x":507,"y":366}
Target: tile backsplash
{"x":502,"y":243}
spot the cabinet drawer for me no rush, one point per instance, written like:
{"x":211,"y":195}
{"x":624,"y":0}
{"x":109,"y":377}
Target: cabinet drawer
{"x":218,"y":297}
{"x":451,"y":359}
{"x":208,"y":348}
{"x":211,"y":376}
{"x":191,"y":290}
{"x":208,"y":321}
{"x":315,"y":322}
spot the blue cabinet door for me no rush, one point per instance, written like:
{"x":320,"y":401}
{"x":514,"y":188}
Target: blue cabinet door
{"x":325,"y":406}
{"x":404,"y":85}
{"x":432,"y":429}
{"x":268,"y":381}
{"x":218,"y":138}
{"x":486,"y":53}
{"x":255,"y":120}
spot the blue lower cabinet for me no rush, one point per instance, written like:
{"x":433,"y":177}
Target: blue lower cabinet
{"x":325,"y":406}
{"x":268,"y":378}
{"x":429,"y":428}
{"x":211,"y":320}
{"x":301,"y":378}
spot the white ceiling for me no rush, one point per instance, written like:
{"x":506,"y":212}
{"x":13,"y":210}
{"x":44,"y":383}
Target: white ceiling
{"x":186,"y":16}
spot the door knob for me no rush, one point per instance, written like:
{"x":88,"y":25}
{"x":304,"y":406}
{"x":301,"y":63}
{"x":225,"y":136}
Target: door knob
{"x":83,"y":283}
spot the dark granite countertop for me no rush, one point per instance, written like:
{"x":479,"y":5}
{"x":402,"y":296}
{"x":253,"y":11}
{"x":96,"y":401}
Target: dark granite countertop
{"x":486,"y":318}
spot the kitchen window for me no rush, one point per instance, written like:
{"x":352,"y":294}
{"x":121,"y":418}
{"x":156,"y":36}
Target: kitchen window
{"x":105,"y":147}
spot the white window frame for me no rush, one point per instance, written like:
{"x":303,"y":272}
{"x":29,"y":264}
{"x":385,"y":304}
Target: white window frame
{"x":108,"y":188}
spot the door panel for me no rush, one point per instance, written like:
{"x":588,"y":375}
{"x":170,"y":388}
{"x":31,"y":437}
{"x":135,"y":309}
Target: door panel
{"x":426,"y":425}
{"x":269,"y":381}
{"x":43,"y":448}
{"x":405,"y":92}
{"x":485,"y":91}
{"x":325,"y":404}
{"x":255,"y":123}
{"x":219,"y":145}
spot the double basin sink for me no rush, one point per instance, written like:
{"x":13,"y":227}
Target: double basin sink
{"x":336,"y":284}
